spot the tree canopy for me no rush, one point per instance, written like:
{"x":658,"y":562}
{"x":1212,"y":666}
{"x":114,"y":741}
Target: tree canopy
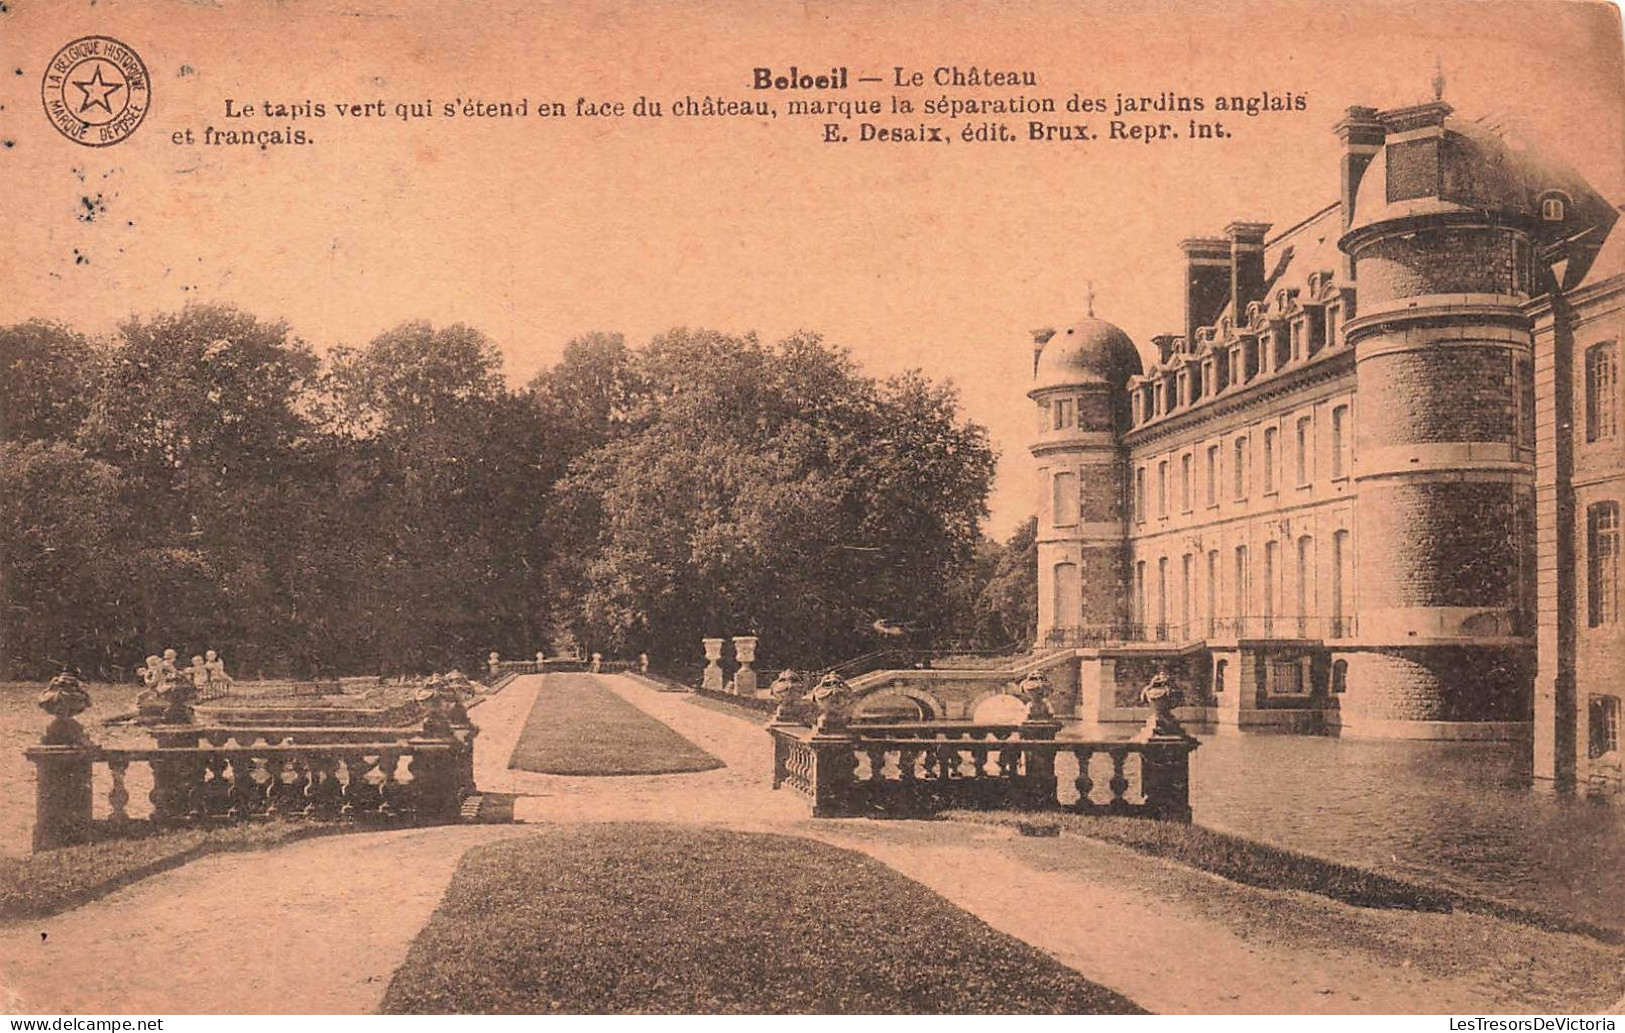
{"x":204,"y":479}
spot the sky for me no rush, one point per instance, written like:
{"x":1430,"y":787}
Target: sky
{"x":536,"y":231}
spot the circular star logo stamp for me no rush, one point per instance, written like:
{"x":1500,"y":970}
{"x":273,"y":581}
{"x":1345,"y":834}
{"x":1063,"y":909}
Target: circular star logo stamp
{"x":96,"y":91}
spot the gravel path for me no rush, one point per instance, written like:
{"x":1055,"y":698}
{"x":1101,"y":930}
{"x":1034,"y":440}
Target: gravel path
{"x":252,"y":934}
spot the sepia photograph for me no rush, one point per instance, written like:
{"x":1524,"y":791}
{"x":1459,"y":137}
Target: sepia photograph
{"x":741,"y":507}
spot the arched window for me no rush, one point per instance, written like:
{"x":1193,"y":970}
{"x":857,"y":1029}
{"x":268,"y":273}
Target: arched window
{"x":1552,"y":208}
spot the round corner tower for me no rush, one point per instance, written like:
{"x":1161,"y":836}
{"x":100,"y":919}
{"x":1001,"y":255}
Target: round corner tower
{"x":1440,"y":235}
{"x":1079,"y":379}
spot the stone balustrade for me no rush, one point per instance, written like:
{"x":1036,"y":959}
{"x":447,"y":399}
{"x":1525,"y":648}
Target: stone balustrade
{"x":205,"y":774}
{"x":849,"y":768}
{"x":915,"y":771}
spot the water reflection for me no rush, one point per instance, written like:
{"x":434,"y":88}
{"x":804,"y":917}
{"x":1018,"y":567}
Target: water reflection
{"x":1456,"y":814}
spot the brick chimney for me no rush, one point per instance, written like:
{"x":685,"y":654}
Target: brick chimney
{"x":1041,"y":337}
{"x":1362,"y":133}
{"x":1246,"y":265}
{"x":1207,"y":281}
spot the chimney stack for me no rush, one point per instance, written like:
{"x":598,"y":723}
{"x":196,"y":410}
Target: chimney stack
{"x":1041,"y":337}
{"x":1246,"y":265}
{"x":1362,"y":133}
{"x":1207,"y":281}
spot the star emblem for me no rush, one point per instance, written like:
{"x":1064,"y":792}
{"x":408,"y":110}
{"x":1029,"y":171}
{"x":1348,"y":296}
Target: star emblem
{"x":96,"y":91}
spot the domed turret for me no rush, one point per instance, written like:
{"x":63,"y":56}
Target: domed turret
{"x":1091,"y":352}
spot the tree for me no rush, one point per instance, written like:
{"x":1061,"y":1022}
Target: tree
{"x":45,"y":381}
{"x":774,"y":490}
{"x":61,"y":582}
{"x":1008,"y":603}
{"x":444,"y":473}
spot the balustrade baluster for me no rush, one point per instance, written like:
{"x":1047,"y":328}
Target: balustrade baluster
{"x":244,"y":790}
{"x":389,"y":803}
{"x":1119,"y":783}
{"x":979,"y":755}
{"x":216,"y":792}
{"x":274,"y":789}
{"x":876,"y":756}
{"x":118,"y":797}
{"x":907,"y":761}
{"x":1085,"y":784}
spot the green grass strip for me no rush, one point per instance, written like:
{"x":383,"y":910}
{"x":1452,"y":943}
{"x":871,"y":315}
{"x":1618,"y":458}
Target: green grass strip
{"x":630,"y":918}
{"x":578,"y":727}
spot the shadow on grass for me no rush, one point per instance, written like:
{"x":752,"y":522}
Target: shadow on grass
{"x":53,"y":881}
{"x":1268,"y":867}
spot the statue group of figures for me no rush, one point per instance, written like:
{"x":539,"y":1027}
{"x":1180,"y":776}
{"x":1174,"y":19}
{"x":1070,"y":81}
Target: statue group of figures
{"x":170,"y":688}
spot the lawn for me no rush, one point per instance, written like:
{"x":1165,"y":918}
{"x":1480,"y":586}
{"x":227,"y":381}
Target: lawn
{"x":1268,"y":867}
{"x":625,"y":918}
{"x":578,"y":727}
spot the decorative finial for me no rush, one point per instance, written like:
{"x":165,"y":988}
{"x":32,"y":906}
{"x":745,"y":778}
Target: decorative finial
{"x":1438,"y":78}
{"x":1089,"y":297}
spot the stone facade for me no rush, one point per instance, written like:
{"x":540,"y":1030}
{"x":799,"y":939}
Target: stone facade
{"x":1323,"y":494}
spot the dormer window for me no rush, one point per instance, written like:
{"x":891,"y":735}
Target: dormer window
{"x":1300,"y":344}
{"x":1552,"y":209}
{"x":1334,"y":315}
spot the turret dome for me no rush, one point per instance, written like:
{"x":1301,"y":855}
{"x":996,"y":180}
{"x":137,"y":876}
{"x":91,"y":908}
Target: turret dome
{"x":1091,"y":352}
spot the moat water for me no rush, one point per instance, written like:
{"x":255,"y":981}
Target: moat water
{"x":1460,"y":815}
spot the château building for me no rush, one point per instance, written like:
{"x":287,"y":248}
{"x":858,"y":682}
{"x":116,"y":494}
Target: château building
{"x":1372,"y":481}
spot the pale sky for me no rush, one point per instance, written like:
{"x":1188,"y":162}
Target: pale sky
{"x":942,"y":257}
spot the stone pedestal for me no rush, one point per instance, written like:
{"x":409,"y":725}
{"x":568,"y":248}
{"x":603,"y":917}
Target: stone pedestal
{"x":62,"y":805}
{"x":711,"y":681}
{"x":745,"y":677}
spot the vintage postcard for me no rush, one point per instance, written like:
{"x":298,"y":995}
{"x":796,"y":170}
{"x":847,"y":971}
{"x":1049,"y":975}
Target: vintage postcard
{"x":831,"y":507}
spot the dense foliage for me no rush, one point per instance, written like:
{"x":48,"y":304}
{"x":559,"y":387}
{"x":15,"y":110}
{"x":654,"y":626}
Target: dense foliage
{"x":205,"y":479}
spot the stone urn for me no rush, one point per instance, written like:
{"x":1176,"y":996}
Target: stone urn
{"x":711,"y":681}
{"x":787,"y":689}
{"x":1036,"y":690}
{"x":1162,"y":696}
{"x":178,"y":695}
{"x":436,"y":723}
{"x":832,"y":695}
{"x":64,"y":699}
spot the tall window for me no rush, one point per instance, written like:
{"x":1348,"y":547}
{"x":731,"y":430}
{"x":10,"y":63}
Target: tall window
{"x":1213,"y":475}
{"x":1271,"y":572}
{"x":1187,"y":582}
{"x":1162,"y":598}
{"x":1340,"y":440}
{"x":1332,"y":312}
{"x":1306,"y":449}
{"x":1306,"y":582}
{"x":1064,"y":499}
{"x":1602,"y":718}
{"x":1212,"y":588}
{"x":1342,"y":579}
{"x":1239,"y":588}
{"x":1068,"y":596}
{"x":1602,"y":562}
{"x":1162,"y":489}
{"x":1240,"y":467}
{"x":1602,"y":391}
{"x":1269,"y":460}
{"x":1139,"y":495}
{"x":1186,"y":461}
{"x":1063,"y":413}
{"x":1139,"y":592}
